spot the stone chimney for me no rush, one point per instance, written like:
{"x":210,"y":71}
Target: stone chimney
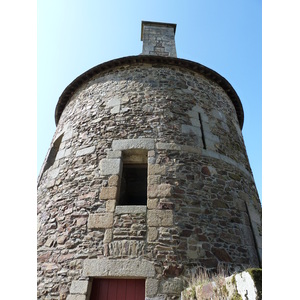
{"x":158,"y":39}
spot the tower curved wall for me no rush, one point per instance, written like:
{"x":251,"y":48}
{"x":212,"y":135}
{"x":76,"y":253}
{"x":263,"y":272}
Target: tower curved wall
{"x":184,"y":122}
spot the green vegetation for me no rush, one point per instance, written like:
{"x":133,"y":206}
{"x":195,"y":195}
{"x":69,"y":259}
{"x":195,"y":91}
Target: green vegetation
{"x":219,"y":288}
{"x":236,"y":296}
{"x":233,"y":281}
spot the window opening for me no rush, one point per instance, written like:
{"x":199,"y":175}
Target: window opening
{"x":133,"y":190}
{"x":52,"y":154}
{"x":133,"y":185}
{"x":202,"y":131}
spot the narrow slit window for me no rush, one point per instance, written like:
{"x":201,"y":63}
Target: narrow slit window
{"x":52,"y":154}
{"x":133,"y":190}
{"x":202,"y":131}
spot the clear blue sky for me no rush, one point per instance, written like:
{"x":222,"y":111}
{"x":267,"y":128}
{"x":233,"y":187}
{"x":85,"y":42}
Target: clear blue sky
{"x":226,"y":36}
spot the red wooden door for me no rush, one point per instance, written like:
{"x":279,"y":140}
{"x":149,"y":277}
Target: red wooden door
{"x":118,"y":289}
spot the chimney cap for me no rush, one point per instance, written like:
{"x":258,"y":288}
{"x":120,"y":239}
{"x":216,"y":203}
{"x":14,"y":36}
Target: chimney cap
{"x":149,"y":23}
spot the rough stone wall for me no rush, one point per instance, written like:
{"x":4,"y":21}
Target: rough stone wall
{"x":200,"y":196}
{"x":158,"y":39}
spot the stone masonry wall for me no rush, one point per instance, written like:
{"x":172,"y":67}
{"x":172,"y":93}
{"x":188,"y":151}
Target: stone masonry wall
{"x":158,"y":40}
{"x":202,"y":204}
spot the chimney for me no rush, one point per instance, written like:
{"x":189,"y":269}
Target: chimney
{"x":158,"y":39}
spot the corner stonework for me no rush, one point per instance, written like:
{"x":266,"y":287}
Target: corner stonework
{"x":80,"y":290}
{"x":120,"y":268}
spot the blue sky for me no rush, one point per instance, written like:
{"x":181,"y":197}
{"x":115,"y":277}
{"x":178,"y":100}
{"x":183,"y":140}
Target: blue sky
{"x":226,"y":36}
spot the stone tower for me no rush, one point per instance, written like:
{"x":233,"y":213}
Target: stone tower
{"x":147,"y":177}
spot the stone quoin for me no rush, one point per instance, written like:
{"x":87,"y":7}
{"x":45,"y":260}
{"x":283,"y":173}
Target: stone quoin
{"x":147,"y":177}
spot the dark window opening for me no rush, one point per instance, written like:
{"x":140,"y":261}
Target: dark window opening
{"x":202,"y":131}
{"x":133,"y":185}
{"x":52,"y":154}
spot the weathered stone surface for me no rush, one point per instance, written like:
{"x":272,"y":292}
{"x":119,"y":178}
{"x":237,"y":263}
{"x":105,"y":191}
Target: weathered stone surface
{"x":79,"y":287}
{"x":173,"y":270}
{"x":54,"y":173}
{"x":159,"y":190}
{"x":118,"y":267}
{"x":110,"y":205}
{"x":219,"y":204}
{"x":162,"y":46}
{"x":230,"y":238}
{"x":114,"y":154}
{"x":101,"y":220}
{"x":113,"y":180}
{"x":49,"y":267}
{"x":50,"y":183}
{"x":154,"y":179}
{"x":221,"y":254}
{"x":205,"y":170}
{"x":209,"y":263}
{"x":61,"y":239}
{"x":108,"y":236}
{"x":187,"y":129}
{"x":142,"y":143}
{"x":172,"y":286}
{"x":160,"y":217}
{"x":192,"y":254}
{"x":68,"y":134}
{"x":115,"y":103}
{"x":168,"y":146}
{"x":152,"y":203}
{"x":160,"y":297}
{"x":110,"y":166}
{"x":108,"y":193}
{"x":44,"y":257}
{"x":81,"y":221}
{"x":85,"y":151}
{"x":130,"y":209}
{"x":156,"y":170}
{"x":151,"y":287}
{"x":49,"y":242}
{"x":76,"y":297}
{"x":125,"y":248}
{"x":152,"y":234}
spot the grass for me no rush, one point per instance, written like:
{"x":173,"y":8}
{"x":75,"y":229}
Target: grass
{"x":201,"y":277}
{"x":216,"y":286}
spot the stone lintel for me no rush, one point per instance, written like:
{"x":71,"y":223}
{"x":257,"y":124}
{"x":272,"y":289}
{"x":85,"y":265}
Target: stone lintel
{"x":130,"y":209}
{"x":142,"y":143}
{"x":129,"y":268}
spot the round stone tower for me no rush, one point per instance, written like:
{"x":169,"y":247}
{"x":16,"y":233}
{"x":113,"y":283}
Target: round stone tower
{"x":147,"y":177}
